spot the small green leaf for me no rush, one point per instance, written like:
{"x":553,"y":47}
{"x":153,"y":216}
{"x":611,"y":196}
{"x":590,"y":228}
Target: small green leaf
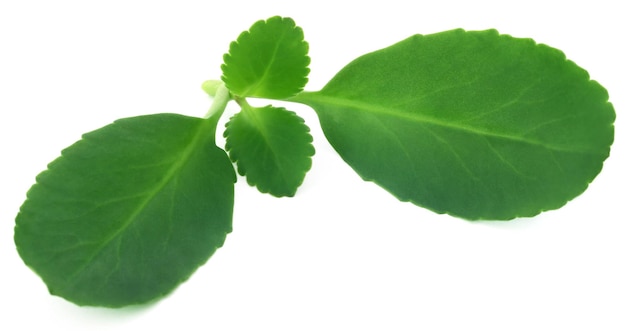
{"x":272,"y":148}
{"x":268,"y":61}
{"x":129,"y":211}
{"x":474,"y":124}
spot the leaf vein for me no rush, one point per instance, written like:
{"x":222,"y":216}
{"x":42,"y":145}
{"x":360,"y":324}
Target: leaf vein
{"x":180,"y":162}
{"x":378,"y":110}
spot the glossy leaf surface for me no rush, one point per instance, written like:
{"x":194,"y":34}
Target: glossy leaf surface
{"x":272,"y":148}
{"x":129,"y":211}
{"x":268,"y":61}
{"x":473,"y":124}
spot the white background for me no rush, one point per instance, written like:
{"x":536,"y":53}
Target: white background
{"x":342,"y":254}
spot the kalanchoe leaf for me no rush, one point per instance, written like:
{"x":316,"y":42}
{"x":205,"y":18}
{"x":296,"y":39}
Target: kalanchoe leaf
{"x":474,"y":124}
{"x":129,"y":211}
{"x":269,"y":61}
{"x":272,"y":148}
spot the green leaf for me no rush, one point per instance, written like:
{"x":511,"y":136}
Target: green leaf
{"x":268,"y":61}
{"x":272,"y":148}
{"x":129,"y":211}
{"x":474,"y":124}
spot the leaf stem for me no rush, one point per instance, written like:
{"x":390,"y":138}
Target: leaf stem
{"x":242,"y":102}
{"x":220,"y":100}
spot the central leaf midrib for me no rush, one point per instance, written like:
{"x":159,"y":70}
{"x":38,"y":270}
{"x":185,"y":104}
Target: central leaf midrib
{"x":373,"y":108}
{"x":261,"y":80}
{"x":172,"y":172}
{"x":259,"y":124}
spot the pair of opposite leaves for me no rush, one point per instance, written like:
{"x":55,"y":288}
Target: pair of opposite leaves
{"x":473,"y":124}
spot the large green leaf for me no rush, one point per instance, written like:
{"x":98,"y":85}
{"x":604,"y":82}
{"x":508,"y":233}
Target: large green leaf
{"x":272,"y":148}
{"x":129,"y":211}
{"x":474,"y":124}
{"x":268,"y":61}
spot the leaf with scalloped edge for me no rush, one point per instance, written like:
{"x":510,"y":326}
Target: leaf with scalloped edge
{"x":474,"y":124}
{"x":129,"y":211}
{"x":268,"y":61}
{"x":272,"y":148}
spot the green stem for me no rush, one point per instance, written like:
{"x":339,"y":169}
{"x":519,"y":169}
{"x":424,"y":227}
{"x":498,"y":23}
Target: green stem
{"x":220,"y":100}
{"x":301,"y":97}
{"x":242,"y":102}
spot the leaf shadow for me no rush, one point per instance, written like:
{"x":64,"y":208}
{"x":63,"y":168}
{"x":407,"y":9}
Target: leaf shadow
{"x":109,"y":316}
{"x":516,"y":224}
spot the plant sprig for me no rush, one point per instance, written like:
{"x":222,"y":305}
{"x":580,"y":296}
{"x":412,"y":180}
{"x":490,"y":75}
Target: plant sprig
{"x":471,"y":123}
